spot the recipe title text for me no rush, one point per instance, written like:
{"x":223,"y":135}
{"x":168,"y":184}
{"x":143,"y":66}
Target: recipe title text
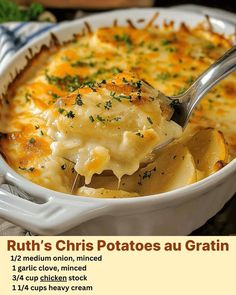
{"x":103,"y":245}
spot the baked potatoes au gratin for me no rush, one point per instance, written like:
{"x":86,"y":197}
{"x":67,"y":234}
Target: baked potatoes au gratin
{"x":79,"y":120}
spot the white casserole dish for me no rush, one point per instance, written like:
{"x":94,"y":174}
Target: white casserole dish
{"x":173,"y":213}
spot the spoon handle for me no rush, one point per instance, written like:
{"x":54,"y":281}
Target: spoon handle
{"x":215,"y":73}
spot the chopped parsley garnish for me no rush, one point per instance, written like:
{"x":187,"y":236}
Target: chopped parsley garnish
{"x":116,"y":70}
{"x":100,"y":119}
{"x":125,"y":96}
{"x":210,"y":46}
{"x":137,"y":84}
{"x":171,"y":49}
{"x":90,"y":84}
{"x":61,"y":110}
{"x":91,"y":119}
{"x":190,"y":80}
{"x":108,"y":105}
{"x":83,"y":64}
{"x":152,"y":47}
{"x":27,"y":97}
{"x":163,"y":76}
{"x":65,"y":58}
{"x":70,"y":114}
{"x":148,"y":173}
{"x":78,"y":100}
{"x":68,"y":82}
{"x":139,"y":134}
{"x":32,"y":140}
{"x":123,"y":38}
{"x":149,"y":120}
{"x":175,"y":75}
{"x":113,"y":95}
{"x":36,"y":127}
{"x":54,"y":95}
{"x":181,"y":91}
{"x":63,"y":167}
{"x":166,"y":42}
{"x":119,"y":97}
{"x":30,"y":169}
{"x":103,"y":120}
{"x":101,"y":71}
{"x":125,"y":80}
{"x":116,"y":119}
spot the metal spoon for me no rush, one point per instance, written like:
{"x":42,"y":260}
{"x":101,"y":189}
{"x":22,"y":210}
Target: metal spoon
{"x":184,"y":104}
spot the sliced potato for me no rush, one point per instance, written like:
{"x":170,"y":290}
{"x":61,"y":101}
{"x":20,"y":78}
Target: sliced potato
{"x":209,"y":150}
{"x":104,"y":193}
{"x":105,"y":180}
{"x":173,"y":168}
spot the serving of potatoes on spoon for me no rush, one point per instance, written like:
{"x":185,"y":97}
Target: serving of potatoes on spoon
{"x":181,"y":164}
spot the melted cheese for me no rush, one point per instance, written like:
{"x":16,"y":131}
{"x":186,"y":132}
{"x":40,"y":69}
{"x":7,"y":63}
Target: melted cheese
{"x":112,"y":125}
{"x":49,"y":136}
